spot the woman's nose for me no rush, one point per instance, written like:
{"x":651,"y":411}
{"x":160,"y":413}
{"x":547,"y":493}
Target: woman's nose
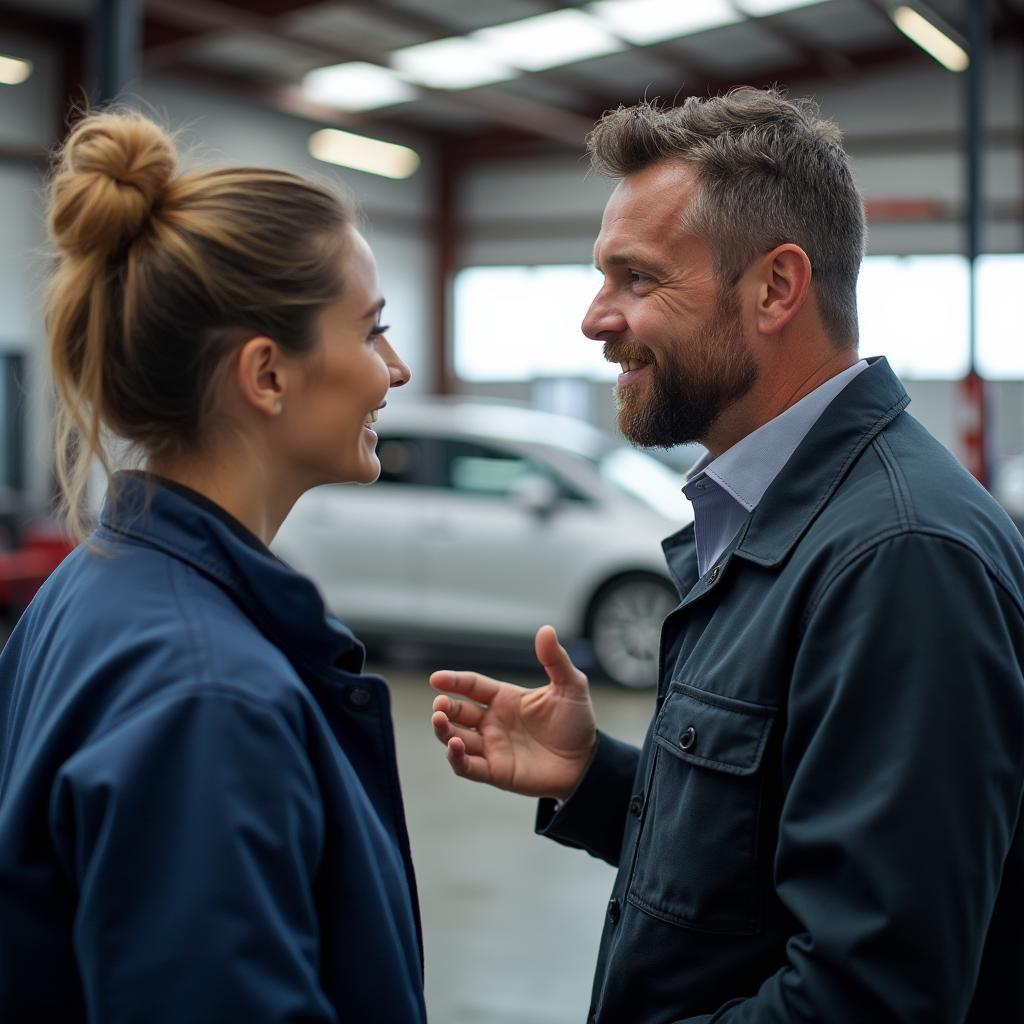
{"x":399,"y":373}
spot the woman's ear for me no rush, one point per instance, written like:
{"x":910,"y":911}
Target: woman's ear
{"x":785,"y":278}
{"x":261,"y":375}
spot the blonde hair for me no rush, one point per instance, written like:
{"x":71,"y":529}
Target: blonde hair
{"x":159,"y":277}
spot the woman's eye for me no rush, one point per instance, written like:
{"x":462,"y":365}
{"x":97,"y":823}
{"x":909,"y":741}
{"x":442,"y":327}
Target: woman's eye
{"x":377,"y":330}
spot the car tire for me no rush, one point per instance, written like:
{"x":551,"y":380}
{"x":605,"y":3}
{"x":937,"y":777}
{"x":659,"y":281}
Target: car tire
{"x":624,"y":628}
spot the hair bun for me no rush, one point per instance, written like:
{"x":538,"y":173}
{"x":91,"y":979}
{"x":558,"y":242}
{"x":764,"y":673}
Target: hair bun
{"x":113,"y":170}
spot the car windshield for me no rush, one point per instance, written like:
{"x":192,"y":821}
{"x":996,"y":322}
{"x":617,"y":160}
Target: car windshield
{"x":644,"y":477}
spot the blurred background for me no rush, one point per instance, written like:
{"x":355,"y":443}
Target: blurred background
{"x":506,"y":499}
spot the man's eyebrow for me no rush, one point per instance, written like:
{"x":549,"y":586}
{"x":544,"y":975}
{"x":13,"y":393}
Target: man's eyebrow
{"x":635,"y":259}
{"x":374,"y":310}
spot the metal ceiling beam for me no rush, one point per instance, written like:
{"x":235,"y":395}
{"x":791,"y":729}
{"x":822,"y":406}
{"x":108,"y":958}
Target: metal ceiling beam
{"x":214,"y":16}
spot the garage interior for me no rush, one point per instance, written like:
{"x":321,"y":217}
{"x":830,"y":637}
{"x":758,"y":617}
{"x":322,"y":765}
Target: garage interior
{"x":489,"y":102}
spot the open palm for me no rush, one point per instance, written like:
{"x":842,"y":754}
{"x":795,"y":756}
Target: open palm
{"x":534,"y":742}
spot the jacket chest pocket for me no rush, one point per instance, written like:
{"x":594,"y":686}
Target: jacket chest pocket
{"x":696,"y":861}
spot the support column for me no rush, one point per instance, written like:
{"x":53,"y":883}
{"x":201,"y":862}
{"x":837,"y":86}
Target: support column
{"x":116,"y":46}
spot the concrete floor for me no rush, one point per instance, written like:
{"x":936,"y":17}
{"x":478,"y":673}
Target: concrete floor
{"x":511,"y":921}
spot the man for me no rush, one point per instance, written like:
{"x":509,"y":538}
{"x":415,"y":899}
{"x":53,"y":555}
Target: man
{"x":824,"y":822}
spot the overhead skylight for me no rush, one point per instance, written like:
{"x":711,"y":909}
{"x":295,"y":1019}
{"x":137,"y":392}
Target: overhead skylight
{"x":356,"y":86}
{"x":653,"y":21}
{"x":363,"y":153}
{"x":548,"y":40}
{"x":760,"y":8}
{"x":14,"y":70}
{"x":454,"y":63}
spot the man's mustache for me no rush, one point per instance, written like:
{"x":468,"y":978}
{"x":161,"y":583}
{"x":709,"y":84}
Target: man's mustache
{"x":625,"y":352}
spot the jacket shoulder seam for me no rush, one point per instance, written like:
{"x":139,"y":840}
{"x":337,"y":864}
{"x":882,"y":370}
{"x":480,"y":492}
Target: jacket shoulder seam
{"x":897,"y":482}
{"x":871,"y":544}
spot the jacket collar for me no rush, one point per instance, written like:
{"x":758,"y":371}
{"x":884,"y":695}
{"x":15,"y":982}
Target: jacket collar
{"x":283,"y":604}
{"x":858,"y":414}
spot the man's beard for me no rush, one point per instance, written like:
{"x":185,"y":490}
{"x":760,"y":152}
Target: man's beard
{"x":690,"y":386}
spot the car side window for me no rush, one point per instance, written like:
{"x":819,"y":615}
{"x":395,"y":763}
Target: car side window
{"x":478,"y":469}
{"x":412,"y":461}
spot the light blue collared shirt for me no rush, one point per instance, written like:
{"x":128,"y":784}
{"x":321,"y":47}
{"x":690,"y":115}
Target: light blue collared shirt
{"x":724,"y":491}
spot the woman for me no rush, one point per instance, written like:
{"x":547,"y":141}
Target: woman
{"x":200,"y":817}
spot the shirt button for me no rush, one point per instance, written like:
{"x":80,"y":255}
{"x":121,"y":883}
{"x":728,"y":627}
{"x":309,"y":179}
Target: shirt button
{"x":358,"y":697}
{"x":636,"y":805}
{"x":688,"y":738}
{"x":614,"y":910}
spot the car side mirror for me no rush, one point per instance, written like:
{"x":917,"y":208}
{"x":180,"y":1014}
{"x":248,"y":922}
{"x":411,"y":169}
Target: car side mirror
{"x":536,"y":494}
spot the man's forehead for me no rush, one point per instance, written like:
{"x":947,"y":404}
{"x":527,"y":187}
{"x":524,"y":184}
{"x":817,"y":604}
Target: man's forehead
{"x":645,"y":210}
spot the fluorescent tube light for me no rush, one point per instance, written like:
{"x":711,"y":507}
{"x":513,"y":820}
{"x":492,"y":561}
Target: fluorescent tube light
{"x":761,"y":8}
{"x":14,"y":70}
{"x":930,"y":38}
{"x":652,"y":21}
{"x":363,"y":153}
{"x":356,"y":86}
{"x":547,"y":40}
{"x":454,"y":63}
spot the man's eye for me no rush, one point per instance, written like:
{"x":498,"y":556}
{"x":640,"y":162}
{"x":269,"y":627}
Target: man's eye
{"x":636,"y":277}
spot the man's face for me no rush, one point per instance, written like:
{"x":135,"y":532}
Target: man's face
{"x":662,"y":314}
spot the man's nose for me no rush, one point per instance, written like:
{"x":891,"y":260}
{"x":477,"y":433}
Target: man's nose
{"x":603,"y":321}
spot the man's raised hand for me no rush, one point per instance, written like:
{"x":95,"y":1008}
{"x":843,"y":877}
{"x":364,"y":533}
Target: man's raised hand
{"x":535,"y":742}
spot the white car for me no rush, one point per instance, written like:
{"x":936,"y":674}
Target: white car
{"x":489,"y":520}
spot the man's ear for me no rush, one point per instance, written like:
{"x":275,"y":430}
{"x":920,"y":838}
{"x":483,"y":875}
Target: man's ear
{"x":784,"y":278}
{"x":262,"y":375}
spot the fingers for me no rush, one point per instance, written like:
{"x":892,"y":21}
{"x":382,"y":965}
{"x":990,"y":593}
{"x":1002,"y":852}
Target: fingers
{"x":462,"y":711}
{"x":466,"y":765}
{"x":445,"y":731}
{"x":557,"y":663}
{"x":480,"y":688}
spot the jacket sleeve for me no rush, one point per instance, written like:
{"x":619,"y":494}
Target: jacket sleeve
{"x":903,"y":782}
{"x":191,"y":834}
{"x":594,"y":816}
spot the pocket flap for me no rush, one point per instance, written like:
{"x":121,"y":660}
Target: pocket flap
{"x":717,"y":732}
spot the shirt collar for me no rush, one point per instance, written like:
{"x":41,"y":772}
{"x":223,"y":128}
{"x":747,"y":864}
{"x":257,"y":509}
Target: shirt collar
{"x":746,"y":470}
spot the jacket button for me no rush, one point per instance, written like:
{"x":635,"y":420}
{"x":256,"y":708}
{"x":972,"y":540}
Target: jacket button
{"x":358,"y":697}
{"x":688,"y":738}
{"x":614,"y":910}
{"x":636,"y":805}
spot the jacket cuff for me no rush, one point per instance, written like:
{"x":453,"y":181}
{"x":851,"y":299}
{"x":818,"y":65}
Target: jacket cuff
{"x":594,"y":816}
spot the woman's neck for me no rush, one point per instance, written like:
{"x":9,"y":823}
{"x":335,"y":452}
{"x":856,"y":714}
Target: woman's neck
{"x":240,"y":485}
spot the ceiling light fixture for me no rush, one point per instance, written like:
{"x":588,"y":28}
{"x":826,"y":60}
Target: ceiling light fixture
{"x":652,"y":21}
{"x":453,"y":63}
{"x":548,"y":40}
{"x":933,"y":40}
{"x":14,"y":70}
{"x":356,"y":86}
{"x":363,"y":153}
{"x":762,"y":8}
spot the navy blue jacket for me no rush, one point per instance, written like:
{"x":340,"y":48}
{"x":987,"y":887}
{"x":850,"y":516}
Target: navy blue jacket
{"x":200,"y":818}
{"x":824,"y":825}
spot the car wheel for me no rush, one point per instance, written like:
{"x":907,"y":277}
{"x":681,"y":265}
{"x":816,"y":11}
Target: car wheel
{"x":625,"y":629}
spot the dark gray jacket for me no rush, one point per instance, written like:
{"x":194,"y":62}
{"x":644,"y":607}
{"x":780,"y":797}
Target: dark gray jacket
{"x":824,"y":823}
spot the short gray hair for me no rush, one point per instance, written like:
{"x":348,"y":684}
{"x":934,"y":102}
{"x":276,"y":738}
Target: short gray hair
{"x":769,"y":171}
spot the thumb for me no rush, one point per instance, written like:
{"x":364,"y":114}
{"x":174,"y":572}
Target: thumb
{"x":564,"y":675}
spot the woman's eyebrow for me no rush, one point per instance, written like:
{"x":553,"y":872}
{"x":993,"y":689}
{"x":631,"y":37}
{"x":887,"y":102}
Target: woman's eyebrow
{"x":375,"y":309}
